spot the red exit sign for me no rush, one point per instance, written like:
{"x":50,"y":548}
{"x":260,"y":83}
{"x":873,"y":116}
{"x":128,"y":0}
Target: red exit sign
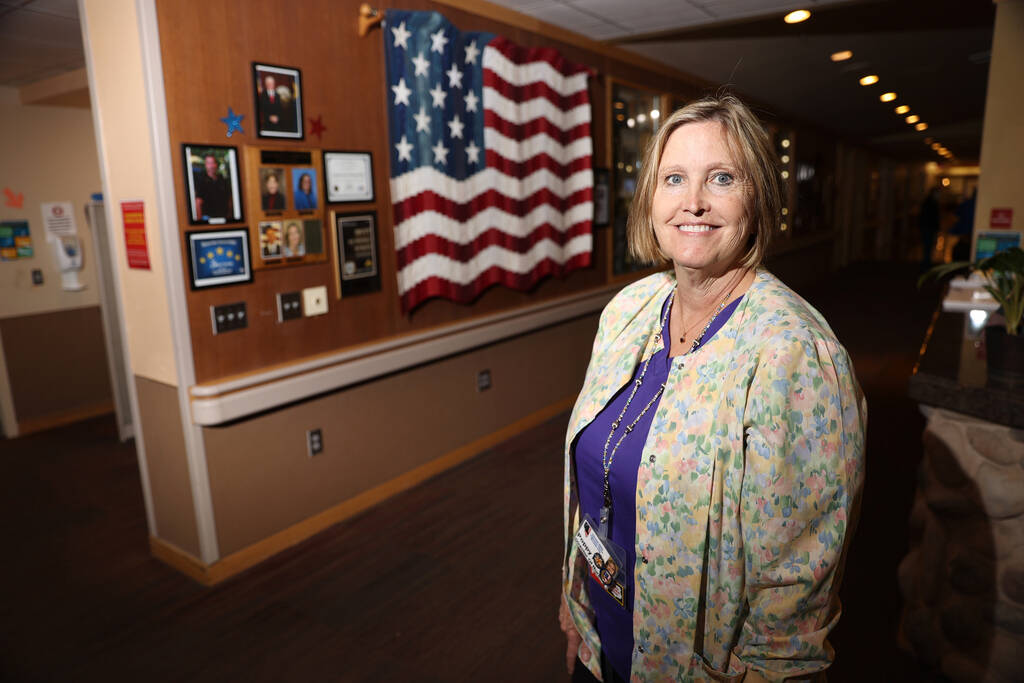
{"x":1002,"y":218}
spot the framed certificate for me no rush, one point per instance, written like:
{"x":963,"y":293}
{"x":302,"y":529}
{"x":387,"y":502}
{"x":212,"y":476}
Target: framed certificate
{"x":219,"y":257}
{"x":355,"y":241}
{"x":348,"y":177}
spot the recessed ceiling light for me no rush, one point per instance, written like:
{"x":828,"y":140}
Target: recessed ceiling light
{"x":785,"y":174}
{"x":655,"y":114}
{"x":869,"y":80}
{"x":887,"y":97}
{"x":936,"y":146}
{"x":785,"y":143}
{"x":841,"y":56}
{"x":785,"y":158}
{"x":630,"y":122}
{"x":913,"y":118}
{"x":902,"y":109}
{"x":921,"y":126}
{"x":796,"y":16}
{"x":641,"y":117}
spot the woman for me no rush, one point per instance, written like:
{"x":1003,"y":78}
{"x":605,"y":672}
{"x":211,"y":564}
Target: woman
{"x":294,"y":244}
{"x":718,"y":439}
{"x":305,"y":198}
{"x":272,"y":198}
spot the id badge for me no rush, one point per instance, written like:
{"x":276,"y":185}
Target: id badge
{"x":604,"y":558}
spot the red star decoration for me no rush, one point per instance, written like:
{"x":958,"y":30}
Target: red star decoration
{"x":317,"y":127}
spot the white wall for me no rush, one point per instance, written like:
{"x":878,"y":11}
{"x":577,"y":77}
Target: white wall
{"x":49,"y":154}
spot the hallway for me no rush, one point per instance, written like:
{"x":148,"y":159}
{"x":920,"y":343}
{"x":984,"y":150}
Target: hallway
{"x":456,"y":580}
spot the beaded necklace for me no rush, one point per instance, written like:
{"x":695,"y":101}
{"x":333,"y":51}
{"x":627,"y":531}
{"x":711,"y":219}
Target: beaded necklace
{"x":606,"y":457}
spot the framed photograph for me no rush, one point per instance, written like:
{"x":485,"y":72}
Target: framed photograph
{"x":219,"y":257}
{"x":270,"y":240}
{"x":273,"y":189}
{"x":348,"y":177}
{"x":602,"y":197}
{"x":355,"y":239}
{"x":313,"y":231}
{"x":211,"y":183}
{"x":293,"y":238}
{"x":278,"y":91}
{"x":304,"y":188}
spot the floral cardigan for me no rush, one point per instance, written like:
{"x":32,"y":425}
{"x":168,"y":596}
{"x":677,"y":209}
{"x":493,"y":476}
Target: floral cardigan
{"x":748,"y":486}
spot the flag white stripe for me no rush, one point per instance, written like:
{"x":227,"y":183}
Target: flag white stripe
{"x":541,"y":143}
{"x":537,"y":108}
{"x":434,"y":223}
{"x":436,"y":265}
{"x":424,"y":178}
{"x":532,"y":72}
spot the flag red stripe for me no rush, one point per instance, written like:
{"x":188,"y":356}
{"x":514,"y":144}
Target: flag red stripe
{"x":523,"y":93}
{"x":436,"y":286}
{"x":521,"y":169}
{"x":436,"y":244}
{"x":431,"y":201}
{"x":522,"y":131}
{"x":524,"y":55}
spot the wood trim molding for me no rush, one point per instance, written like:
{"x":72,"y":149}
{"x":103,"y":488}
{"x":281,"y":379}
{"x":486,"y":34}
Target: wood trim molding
{"x":39,"y":424}
{"x":248,"y":557}
{"x":220,"y":402}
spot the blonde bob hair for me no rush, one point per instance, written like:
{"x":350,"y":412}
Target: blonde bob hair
{"x":751,"y":150}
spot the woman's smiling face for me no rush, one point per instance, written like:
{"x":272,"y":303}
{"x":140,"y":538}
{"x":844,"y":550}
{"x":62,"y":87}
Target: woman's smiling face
{"x":699,"y":207}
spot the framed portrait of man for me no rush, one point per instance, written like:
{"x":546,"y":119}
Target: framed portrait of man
{"x":278,"y":92}
{"x":211,"y":184}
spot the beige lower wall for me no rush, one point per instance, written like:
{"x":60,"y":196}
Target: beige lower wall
{"x":56,"y":366}
{"x":262,"y":481}
{"x":167,"y":464}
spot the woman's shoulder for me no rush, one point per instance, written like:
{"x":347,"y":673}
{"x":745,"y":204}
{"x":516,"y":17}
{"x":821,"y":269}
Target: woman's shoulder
{"x":630,"y":301}
{"x":778,"y":312}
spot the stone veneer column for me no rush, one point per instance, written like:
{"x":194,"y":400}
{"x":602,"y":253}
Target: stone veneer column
{"x":963,"y":578}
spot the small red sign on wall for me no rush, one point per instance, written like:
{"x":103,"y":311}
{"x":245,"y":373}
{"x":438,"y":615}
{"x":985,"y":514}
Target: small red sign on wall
{"x":135,"y":235}
{"x":1002,"y":218}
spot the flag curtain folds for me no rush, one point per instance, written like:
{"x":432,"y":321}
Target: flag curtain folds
{"x":491,"y":160}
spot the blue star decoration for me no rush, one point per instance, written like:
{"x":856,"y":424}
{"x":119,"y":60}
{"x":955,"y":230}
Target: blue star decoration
{"x":233,"y":121}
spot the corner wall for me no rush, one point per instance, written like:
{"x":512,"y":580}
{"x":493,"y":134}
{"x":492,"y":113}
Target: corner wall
{"x":54,"y":365}
{"x":1001,"y":178}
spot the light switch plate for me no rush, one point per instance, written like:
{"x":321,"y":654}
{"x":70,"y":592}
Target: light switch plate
{"x":314,"y":442}
{"x":314,"y":300}
{"x":228,"y":317}
{"x":289,"y":306}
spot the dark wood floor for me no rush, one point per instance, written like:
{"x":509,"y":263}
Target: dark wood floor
{"x":455,"y":580}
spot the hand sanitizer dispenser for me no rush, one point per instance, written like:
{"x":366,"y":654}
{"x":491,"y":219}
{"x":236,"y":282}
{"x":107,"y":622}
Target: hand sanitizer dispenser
{"x":69,"y":261}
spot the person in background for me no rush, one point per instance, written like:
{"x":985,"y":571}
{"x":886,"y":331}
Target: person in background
{"x":294,"y":241}
{"x":272,"y":199}
{"x":718,"y":439}
{"x":305,"y":195}
{"x":928,"y":221}
{"x":213,"y":195}
{"x":963,"y":229}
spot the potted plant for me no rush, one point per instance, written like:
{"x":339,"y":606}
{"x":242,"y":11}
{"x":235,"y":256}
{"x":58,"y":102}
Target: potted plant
{"x":1003,"y":276}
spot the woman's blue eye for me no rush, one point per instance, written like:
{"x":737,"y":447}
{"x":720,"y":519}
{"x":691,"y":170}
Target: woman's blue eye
{"x":722,"y":178}
{"x":673,"y":179}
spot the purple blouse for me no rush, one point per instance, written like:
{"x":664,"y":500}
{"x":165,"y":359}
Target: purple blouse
{"x":615,"y":624}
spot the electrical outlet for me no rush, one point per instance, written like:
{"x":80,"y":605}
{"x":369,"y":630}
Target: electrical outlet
{"x":314,"y":442}
{"x":289,"y":306}
{"x":228,"y":317}
{"x":37,"y":276}
{"x":314,"y":301}
{"x":483,"y":380}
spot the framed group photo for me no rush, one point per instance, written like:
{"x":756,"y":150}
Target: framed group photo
{"x":212,"y":185}
{"x":278,"y":93}
{"x":219,"y":257}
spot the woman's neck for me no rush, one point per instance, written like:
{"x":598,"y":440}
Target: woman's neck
{"x":698,"y":296}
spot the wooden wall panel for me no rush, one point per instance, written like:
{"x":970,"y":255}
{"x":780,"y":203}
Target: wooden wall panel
{"x":207,"y":53}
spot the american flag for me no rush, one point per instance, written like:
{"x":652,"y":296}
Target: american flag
{"x":491,"y":177}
